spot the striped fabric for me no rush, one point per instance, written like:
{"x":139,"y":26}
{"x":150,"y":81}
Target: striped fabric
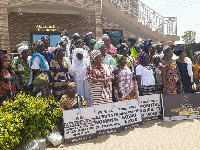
{"x":96,"y":94}
{"x":148,"y":90}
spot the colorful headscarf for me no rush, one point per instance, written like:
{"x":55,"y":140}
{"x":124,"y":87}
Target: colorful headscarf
{"x":36,"y":44}
{"x":22,"y":48}
{"x":197,"y":55}
{"x":87,"y":36}
{"x":105,"y":37}
{"x":75,"y":37}
{"x":122,"y":39}
{"x":98,"y":44}
{"x":178,"y":52}
{"x":142,"y":56}
{"x":95,"y":53}
{"x":118,"y":58}
{"x":57,"y":50}
{"x":92,"y":41}
{"x":44,"y":36}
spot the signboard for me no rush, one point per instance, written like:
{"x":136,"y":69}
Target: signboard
{"x":129,"y":114}
{"x":181,"y":106}
{"x":47,"y":28}
{"x":107,"y":118}
{"x":79,"y":124}
{"x":150,"y":107}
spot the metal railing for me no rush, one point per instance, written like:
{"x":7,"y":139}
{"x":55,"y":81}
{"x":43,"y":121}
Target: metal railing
{"x":147,"y":16}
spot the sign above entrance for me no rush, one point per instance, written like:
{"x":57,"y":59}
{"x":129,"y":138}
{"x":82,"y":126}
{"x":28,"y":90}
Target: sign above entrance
{"x":47,"y":28}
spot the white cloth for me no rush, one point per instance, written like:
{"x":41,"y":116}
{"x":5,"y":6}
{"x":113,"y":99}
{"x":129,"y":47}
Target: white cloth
{"x":36,"y":63}
{"x":189,"y":68}
{"x":69,"y":65}
{"x":147,"y":77}
{"x":21,"y":49}
{"x":82,"y":87}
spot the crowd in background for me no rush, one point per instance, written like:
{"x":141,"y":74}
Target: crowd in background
{"x":91,"y":72}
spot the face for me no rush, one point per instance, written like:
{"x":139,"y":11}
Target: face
{"x":107,"y":42}
{"x":149,"y":48}
{"x":156,"y":61}
{"x":122,"y":61}
{"x":159,"y":49}
{"x":79,"y":44}
{"x":124,"y":52}
{"x":25,"y":53}
{"x":103,"y":50}
{"x":71,"y":89}
{"x":79,"y":56}
{"x":91,"y":46}
{"x":40,"y":48}
{"x":46,"y":42}
{"x":5,"y":63}
{"x":183,"y":55}
{"x":146,"y":61}
{"x":61,"y":54}
{"x":98,"y":59}
{"x":153,"y":51}
{"x":169,"y":55}
{"x":133,"y":42}
{"x":62,"y":34}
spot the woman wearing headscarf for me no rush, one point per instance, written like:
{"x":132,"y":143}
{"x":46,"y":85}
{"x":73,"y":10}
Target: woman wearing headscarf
{"x":145,"y":76}
{"x":75,"y":37}
{"x":79,"y":71}
{"x":196,"y":70}
{"x":110,"y":48}
{"x":185,"y":69}
{"x":169,"y":72}
{"x":106,"y":58}
{"x":126,"y":87}
{"x":92,"y":42}
{"x":99,"y":76}
{"x":39,"y":65}
{"x":7,"y":80}
{"x":146,"y":48}
{"x":134,"y":50}
{"x":21,"y":67}
{"x":60,"y":68}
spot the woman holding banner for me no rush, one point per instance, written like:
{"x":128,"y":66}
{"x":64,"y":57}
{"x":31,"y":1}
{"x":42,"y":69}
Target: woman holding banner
{"x":145,"y":75}
{"x":169,"y":72}
{"x":125,"y":86}
{"x":100,"y":77}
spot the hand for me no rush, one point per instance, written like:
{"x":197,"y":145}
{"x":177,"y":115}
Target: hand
{"x":119,"y":94}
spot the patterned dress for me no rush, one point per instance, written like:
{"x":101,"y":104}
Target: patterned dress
{"x":128,"y":87}
{"x":111,"y":51}
{"x":7,"y":86}
{"x":171,"y":77}
{"x":99,"y":94}
{"x":196,"y":71}
{"x":24,"y":72}
{"x":60,"y":76}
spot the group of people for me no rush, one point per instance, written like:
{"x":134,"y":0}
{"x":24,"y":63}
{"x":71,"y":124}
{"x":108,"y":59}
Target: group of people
{"x":96,"y":72}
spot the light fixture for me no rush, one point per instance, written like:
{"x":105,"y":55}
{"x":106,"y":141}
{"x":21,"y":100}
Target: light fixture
{"x":19,"y":11}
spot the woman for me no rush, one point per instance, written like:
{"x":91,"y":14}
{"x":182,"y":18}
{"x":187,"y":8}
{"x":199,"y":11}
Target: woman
{"x":134,"y":50}
{"x":79,"y":71}
{"x":39,"y":65}
{"x":72,"y":100}
{"x":169,"y":72}
{"x":146,"y":48}
{"x":110,"y":48}
{"x":60,"y":68}
{"x":75,"y":37}
{"x":7,"y":81}
{"x":196,"y":71}
{"x":145,"y":76}
{"x":92,"y":42}
{"x":125,"y":87}
{"x":99,"y":76}
{"x":106,"y":58}
{"x":21,"y":67}
{"x":185,"y":69}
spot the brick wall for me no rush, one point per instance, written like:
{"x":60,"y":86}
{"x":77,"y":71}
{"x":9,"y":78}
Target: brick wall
{"x":21,"y":26}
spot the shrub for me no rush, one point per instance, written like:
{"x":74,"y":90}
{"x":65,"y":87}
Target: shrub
{"x":26,"y":118}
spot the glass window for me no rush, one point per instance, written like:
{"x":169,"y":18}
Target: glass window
{"x":114,"y":35}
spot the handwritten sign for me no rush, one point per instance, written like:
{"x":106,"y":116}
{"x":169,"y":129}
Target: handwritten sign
{"x":107,"y":118}
{"x":181,"y":106}
{"x":47,"y":28}
{"x":129,"y":114}
{"x":79,"y":124}
{"x":150,"y":107}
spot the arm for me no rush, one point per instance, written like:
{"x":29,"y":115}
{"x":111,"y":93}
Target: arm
{"x":163,"y":74}
{"x":116,"y":83}
{"x":195,"y":74}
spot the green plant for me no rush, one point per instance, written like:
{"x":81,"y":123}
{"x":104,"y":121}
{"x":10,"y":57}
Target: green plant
{"x":26,"y":118}
{"x":189,"y":52}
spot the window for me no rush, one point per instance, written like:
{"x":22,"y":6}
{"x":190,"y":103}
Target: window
{"x":114,"y":35}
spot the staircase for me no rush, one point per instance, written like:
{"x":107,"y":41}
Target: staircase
{"x":137,"y":18}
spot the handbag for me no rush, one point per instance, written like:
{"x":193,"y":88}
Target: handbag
{"x":40,"y":80}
